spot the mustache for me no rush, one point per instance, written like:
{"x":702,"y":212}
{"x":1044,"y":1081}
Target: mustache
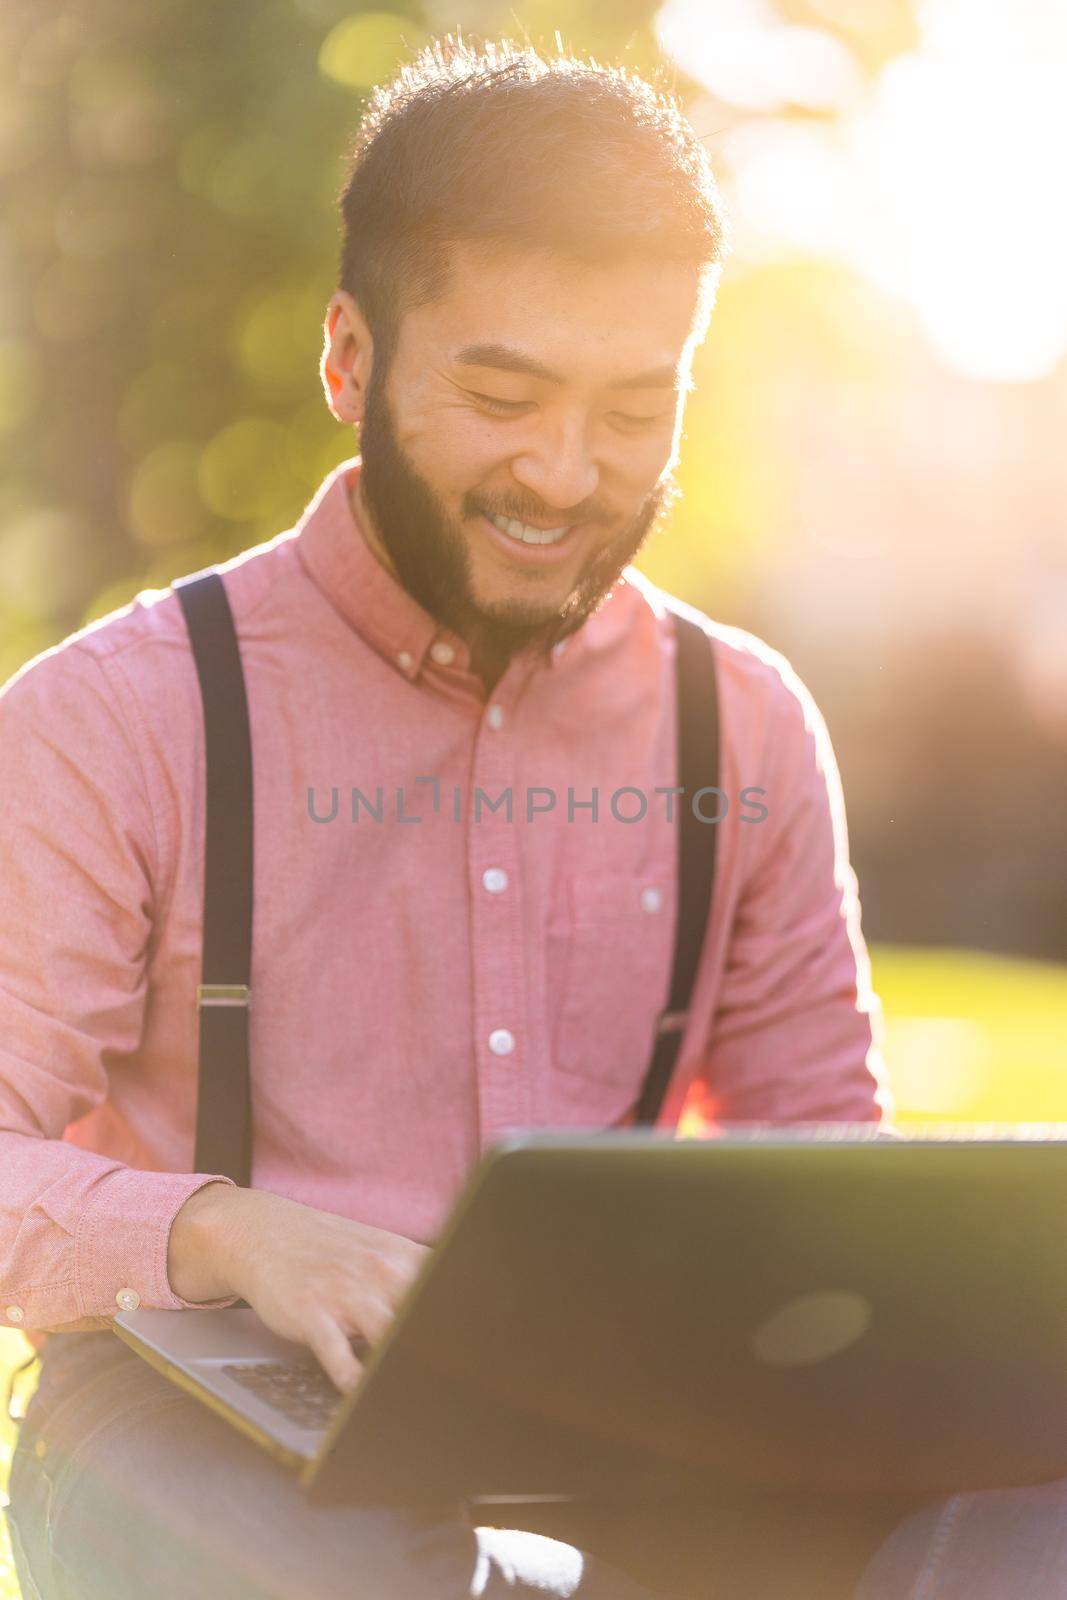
{"x":554,"y":519}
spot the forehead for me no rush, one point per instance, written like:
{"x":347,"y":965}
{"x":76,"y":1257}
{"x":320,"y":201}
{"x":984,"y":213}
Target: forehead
{"x":586,"y":323}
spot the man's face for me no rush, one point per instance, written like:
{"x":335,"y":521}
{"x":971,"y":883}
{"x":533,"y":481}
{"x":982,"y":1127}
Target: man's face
{"x":539,"y":391}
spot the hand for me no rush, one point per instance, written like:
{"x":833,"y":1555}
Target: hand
{"x":310,"y":1275}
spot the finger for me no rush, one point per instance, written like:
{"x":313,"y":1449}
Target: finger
{"x":329,"y":1342}
{"x":371,"y":1317}
{"x":403,"y":1266}
{"x":396,"y":1247}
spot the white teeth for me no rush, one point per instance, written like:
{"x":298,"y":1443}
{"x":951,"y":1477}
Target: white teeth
{"x":528,"y":535}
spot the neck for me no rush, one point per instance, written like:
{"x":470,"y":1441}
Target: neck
{"x":370,"y":533}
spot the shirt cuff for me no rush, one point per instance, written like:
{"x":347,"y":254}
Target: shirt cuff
{"x":120,"y":1248}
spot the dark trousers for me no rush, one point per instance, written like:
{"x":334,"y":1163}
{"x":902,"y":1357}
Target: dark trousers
{"x":123,"y":1486}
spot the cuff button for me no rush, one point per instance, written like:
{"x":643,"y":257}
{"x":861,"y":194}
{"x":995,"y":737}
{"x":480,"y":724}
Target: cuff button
{"x":128,"y":1299}
{"x":14,"y":1313}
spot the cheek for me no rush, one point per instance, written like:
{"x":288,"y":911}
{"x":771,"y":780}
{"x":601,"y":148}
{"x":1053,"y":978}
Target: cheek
{"x":633,"y":463}
{"x":457,"y":449}
{"x":482,"y":440}
{"x":642,"y":467}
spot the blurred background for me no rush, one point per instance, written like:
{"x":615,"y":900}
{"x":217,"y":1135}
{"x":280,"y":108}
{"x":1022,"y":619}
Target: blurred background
{"x":874,"y":476}
{"x":874,"y":471}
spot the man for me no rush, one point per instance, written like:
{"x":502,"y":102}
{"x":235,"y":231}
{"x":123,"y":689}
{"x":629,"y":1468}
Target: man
{"x":530,"y":253}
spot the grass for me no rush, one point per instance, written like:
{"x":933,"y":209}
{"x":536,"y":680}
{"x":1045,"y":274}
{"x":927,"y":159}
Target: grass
{"x":970,"y":1037}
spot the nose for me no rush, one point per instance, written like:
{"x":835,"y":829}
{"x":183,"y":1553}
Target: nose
{"x":557,"y":468}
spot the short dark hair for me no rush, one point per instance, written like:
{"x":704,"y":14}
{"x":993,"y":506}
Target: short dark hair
{"x":503,"y":144}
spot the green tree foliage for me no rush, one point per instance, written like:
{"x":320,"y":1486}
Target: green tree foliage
{"x":168,"y":175}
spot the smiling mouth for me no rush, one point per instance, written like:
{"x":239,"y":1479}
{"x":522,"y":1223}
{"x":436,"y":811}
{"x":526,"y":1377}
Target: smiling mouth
{"x":526,"y":533}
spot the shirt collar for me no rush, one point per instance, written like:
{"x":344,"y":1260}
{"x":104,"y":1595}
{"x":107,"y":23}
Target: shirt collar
{"x":334,"y":552}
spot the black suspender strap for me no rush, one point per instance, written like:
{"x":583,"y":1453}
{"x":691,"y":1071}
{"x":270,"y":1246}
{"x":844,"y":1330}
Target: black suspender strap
{"x":224,"y":1109}
{"x":697,"y":712}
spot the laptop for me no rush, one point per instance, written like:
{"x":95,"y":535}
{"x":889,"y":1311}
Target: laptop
{"x":629,"y":1314}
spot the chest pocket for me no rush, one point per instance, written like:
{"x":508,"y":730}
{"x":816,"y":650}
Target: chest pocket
{"x":608,"y":970}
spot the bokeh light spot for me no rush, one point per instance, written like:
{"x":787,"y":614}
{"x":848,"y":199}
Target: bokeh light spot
{"x":163,"y":500}
{"x":244,"y":471}
{"x":253,"y":176}
{"x":279,"y":335}
{"x":49,"y":557}
{"x":117,"y":114}
{"x":362,"y":49}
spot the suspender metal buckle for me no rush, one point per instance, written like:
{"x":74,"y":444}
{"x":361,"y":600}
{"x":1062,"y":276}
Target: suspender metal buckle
{"x":223,"y":994}
{"x":671,"y":1022}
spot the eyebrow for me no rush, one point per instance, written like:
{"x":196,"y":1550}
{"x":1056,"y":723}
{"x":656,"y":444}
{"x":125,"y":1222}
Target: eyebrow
{"x":506,"y":359}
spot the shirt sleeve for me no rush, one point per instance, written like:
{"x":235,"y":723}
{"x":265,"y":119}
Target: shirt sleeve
{"x":798,"y":1031}
{"x":78,"y":865}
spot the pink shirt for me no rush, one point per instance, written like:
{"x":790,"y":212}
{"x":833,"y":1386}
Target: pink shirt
{"x":418,"y":987}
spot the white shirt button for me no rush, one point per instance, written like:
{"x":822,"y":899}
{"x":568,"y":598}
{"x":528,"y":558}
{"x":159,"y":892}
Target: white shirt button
{"x":651,"y":899}
{"x":495,"y":716}
{"x":405,"y":659}
{"x":128,"y":1299}
{"x":442,"y":652}
{"x":14,"y":1313}
{"x":495,"y":879}
{"x":501,"y":1042}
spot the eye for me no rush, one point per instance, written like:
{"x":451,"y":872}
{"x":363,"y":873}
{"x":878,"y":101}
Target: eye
{"x":509,"y":408}
{"x":501,"y":408}
{"x":637,"y":423}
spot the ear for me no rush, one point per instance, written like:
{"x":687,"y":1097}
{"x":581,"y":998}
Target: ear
{"x":347,"y":352}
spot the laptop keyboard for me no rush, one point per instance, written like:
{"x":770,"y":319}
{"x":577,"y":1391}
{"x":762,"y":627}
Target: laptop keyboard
{"x":300,"y":1390}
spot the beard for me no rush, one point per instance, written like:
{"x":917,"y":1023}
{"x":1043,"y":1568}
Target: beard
{"x":431,"y":558}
